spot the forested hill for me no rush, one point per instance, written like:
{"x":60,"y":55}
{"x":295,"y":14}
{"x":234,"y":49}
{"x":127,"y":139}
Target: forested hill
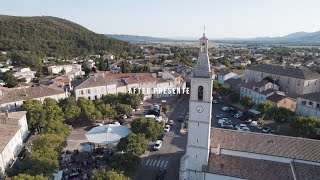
{"x":53,"y":36}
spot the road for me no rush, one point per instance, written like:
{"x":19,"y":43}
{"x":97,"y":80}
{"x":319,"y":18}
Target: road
{"x":173,"y":147}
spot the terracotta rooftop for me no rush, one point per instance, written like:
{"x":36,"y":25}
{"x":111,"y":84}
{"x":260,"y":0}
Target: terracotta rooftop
{"x":13,"y":95}
{"x":246,"y":168}
{"x":7,"y":132}
{"x":267,"y":144}
{"x":9,"y":127}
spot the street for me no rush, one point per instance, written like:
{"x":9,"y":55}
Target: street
{"x":173,"y":147}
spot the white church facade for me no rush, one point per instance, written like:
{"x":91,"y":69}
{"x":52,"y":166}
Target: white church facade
{"x":223,"y":154}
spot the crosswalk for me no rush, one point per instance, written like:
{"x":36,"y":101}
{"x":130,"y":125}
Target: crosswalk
{"x":157,"y":163}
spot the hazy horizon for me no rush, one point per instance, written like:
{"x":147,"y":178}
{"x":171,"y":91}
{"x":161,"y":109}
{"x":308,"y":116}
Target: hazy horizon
{"x":179,"y":19}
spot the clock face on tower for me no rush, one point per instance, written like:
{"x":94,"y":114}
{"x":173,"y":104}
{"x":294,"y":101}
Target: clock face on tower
{"x":199,"y":109}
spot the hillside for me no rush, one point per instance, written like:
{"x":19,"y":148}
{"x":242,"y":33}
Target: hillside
{"x":133,"y":38}
{"x":53,"y":36}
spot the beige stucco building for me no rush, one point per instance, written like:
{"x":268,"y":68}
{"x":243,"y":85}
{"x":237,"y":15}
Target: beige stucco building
{"x":294,"y":81}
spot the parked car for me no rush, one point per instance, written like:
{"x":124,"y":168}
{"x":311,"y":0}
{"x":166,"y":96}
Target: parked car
{"x":237,"y":115}
{"x":254,"y":123}
{"x":227,"y":125}
{"x":224,"y":120}
{"x":220,"y":116}
{"x":141,"y":102}
{"x":166,"y":128}
{"x":266,"y":129}
{"x":157,"y":145}
{"x":242,"y":127}
{"x":123,"y":116}
{"x":170,"y":122}
{"x":259,"y":126}
{"x":215,"y":102}
{"x":248,"y":120}
{"x":225,"y":108}
{"x":133,"y":110}
{"x":138,"y":109}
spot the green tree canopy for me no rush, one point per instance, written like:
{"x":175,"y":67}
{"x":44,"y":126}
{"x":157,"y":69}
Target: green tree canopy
{"x":147,"y":126}
{"x":133,"y":143}
{"x":88,"y":109}
{"x":106,"y":174}
{"x":264,"y":107}
{"x":246,"y":102}
{"x":28,"y":177}
{"x":9,"y":79}
{"x":126,"y":162}
{"x":123,"y":109}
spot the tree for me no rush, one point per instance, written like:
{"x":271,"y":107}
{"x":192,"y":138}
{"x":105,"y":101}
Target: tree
{"x":36,"y":115}
{"x":71,"y":113}
{"x":88,"y":110}
{"x":280,"y":115}
{"x":69,"y":101}
{"x":51,"y":141}
{"x":305,"y":125}
{"x":9,"y":79}
{"x":233,"y":97}
{"x":123,"y":109}
{"x":106,"y":174}
{"x":216,"y":85}
{"x":126,"y":162}
{"x":28,"y":177}
{"x":246,"y":102}
{"x":264,"y":107}
{"x":147,"y":126}
{"x":133,"y":143}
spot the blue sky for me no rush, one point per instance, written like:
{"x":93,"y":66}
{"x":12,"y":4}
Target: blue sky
{"x":178,"y":18}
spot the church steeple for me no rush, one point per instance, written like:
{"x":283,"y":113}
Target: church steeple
{"x":202,"y":67}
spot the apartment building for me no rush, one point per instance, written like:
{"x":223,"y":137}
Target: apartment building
{"x":309,"y":104}
{"x":258,"y":91}
{"x":292,"y":80}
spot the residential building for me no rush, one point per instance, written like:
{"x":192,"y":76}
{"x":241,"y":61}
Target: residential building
{"x":234,"y":84}
{"x":109,"y":83}
{"x":293,"y":81}
{"x":258,"y":91}
{"x":25,"y":73}
{"x":240,"y":62}
{"x":71,"y":68}
{"x":224,"y":75}
{"x":11,"y":99}
{"x":309,"y":105}
{"x":13,"y":130}
{"x":280,"y":100}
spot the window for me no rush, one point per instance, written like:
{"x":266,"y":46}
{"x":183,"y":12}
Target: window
{"x":288,"y":81}
{"x":298,"y":82}
{"x":81,"y":92}
{"x":308,"y":83}
{"x":88,"y":91}
{"x":197,"y":140}
{"x":304,"y":102}
{"x":318,"y":105}
{"x":200,"y":93}
{"x":95,"y":97}
{"x":249,"y":91}
{"x":198,"y":124}
{"x":310,"y":103}
{"x":89,"y":98}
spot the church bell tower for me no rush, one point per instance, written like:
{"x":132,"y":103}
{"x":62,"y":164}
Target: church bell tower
{"x":199,"y":124}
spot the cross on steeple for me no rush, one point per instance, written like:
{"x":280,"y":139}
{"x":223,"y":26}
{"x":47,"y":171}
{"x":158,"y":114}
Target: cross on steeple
{"x":204,"y":30}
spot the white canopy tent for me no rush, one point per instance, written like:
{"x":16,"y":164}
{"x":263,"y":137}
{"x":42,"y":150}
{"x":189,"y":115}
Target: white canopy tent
{"x":107,"y":134}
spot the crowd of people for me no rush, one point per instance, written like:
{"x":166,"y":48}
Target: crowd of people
{"x":79,"y":165}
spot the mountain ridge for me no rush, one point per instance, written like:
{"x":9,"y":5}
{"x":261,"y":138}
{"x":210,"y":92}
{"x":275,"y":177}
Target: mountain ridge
{"x":53,"y":36}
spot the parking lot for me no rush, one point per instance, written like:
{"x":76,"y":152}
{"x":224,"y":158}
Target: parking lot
{"x":217,"y":110}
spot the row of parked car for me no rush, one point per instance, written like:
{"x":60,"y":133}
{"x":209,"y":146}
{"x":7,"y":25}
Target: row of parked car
{"x":166,"y":129}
